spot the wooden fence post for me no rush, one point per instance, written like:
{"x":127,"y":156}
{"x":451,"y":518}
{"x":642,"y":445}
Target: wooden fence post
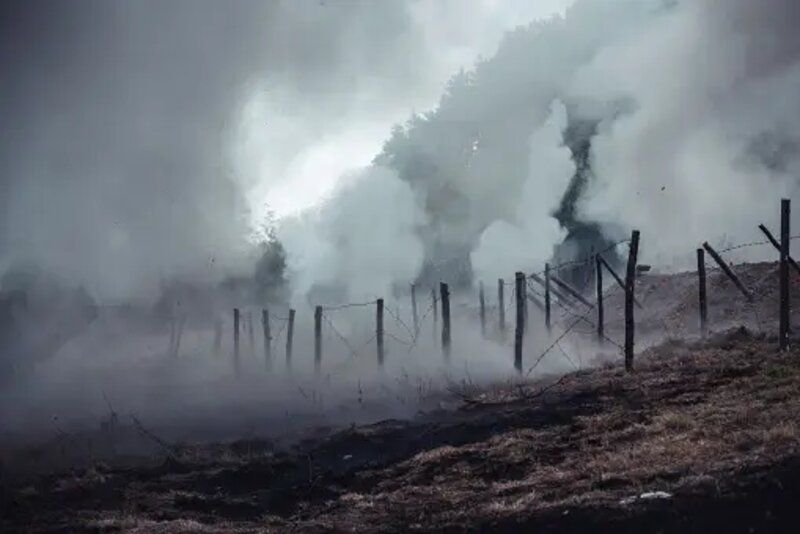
{"x":379,"y":330}
{"x":547,"y":296}
{"x":501,"y":306}
{"x":250,"y":337}
{"x":783,"y":333}
{"x":289,"y":339}
{"x":728,"y":271}
{"x":414,"y":315}
{"x":267,"y":338}
{"x":236,"y":340}
{"x":519,"y":290}
{"x":554,"y":292}
{"x":571,"y":291}
{"x":538,"y":303}
{"x":317,"y":339}
{"x":482,"y":303}
{"x":599,"y":288}
{"x":445,"y":296}
{"x":701,"y":278}
{"x":617,"y":278}
{"x":524,"y":297}
{"x":630,"y":286}
{"x":777,"y":246}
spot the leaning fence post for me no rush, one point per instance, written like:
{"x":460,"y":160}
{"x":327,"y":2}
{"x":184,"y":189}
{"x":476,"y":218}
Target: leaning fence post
{"x":501,"y":307}
{"x":317,"y":339}
{"x":379,"y":330}
{"x":482,"y":303}
{"x":289,"y":339}
{"x":701,"y":277}
{"x":414,"y":315}
{"x":267,"y":338}
{"x":616,"y":277}
{"x":547,"y":296}
{"x":520,"y":327}
{"x":783,"y":333}
{"x":630,"y":285}
{"x":728,"y":271}
{"x":236,"y":340}
{"x":571,"y":291}
{"x":599,"y":288}
{"x":445,"y":295}
{"x":777,"y":246}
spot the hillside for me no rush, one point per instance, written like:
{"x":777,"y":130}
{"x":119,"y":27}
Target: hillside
{"x":704,"y":435}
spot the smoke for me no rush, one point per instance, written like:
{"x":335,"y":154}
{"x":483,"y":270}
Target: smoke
{"x":529,"y":238}
{"x":364,"y":237}
{"x":710,"y":142}
{"x":143,"y":140}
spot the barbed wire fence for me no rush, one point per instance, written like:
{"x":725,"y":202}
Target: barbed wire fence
{"x":575,"y":314}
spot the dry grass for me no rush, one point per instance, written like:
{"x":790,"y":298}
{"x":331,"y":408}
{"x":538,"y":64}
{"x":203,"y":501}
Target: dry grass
{"x":694,"y":421}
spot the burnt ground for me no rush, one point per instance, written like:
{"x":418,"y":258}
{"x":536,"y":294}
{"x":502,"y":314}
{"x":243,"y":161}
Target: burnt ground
{"x":712,"y":425}
{"x":703,"y":436}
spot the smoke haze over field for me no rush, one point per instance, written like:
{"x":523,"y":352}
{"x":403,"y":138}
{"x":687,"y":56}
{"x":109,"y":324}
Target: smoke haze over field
{"x":147,"y":140}
{"x":179,"y":159}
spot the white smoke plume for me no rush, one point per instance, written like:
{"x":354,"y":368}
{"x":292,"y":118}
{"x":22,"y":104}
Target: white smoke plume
{"x":529,"y":237}
{"x":364,"y":237}
{"x":711,"y":138}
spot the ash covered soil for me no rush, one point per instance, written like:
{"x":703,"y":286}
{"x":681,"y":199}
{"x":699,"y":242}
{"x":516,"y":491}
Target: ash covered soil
{"x":704,"y":435}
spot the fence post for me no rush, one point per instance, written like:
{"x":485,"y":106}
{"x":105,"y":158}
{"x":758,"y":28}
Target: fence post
{"x":701,"y":276}
{"x":445,"y":295}
{"x":289,"y":339}
{"x":379,"y":330}
{"x":571,"y":291}
{"x":630,"y":286}
{"x":619,"y":280}
{"x":414,"y":315}
{"x":501,"y":306}
{"x":519,"y":288}
{"x":547,"y":296}
{"x":267,"y":338}
{"x":554,"y":292}
{"x":236,"y":340}
{"x":524,"y":297}
{"x":483,"y":309}
{"x":317,"y":339}
{"x":777,"y":246}
{"x":250,"y":337}
{"x":728,"y":271}
{"x":599,"y":288}
{"x":435,"y":314}
{"x":783,"y":333}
